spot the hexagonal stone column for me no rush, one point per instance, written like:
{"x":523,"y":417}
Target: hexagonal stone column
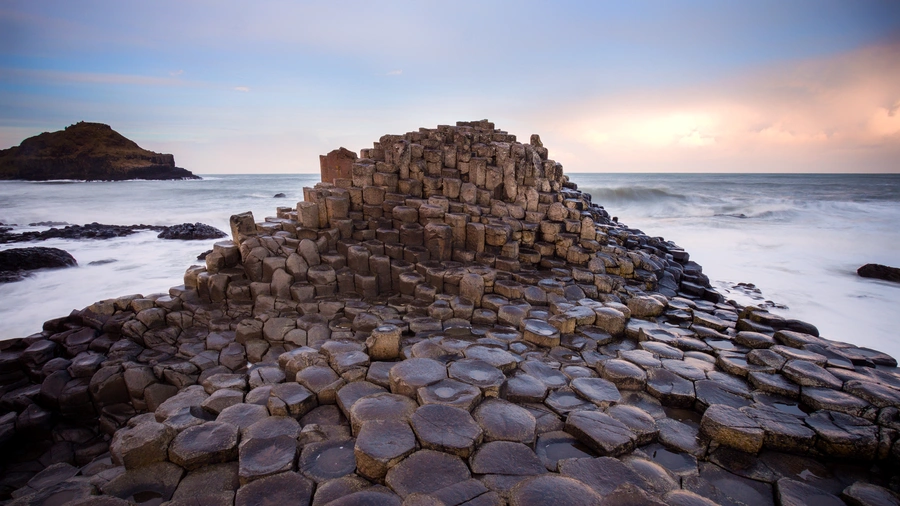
{"x":382,"y":444}
{"x":384,"y":342}
{"x":407,"y":376}
{"x":206,"y":444}
{"x":447,"y":429}
{"x":540,"y":333}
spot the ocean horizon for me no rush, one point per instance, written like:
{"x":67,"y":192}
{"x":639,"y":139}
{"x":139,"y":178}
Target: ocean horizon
{"x":798,"y":238}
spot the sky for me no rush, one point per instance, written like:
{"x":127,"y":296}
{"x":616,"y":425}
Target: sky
{"x":642,"y":86}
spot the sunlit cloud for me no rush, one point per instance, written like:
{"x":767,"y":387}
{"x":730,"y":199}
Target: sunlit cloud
{"x":176,"y":73}
{"x":797,"y":114}
{"x":395,"y":72}
{"x":243,"y":89}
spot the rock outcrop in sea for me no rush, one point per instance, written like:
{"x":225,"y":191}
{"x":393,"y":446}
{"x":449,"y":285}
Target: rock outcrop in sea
{"x":450,"y":323}
{"x":184,"y":232}
{"x":89,"y":152}
{"x":16,"y":263}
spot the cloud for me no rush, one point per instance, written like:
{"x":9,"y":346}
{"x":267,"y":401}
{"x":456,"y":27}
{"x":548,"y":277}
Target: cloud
{"x":62,"y":77}
{"x":176,"y":73}
{"x":395,"y":72}
{"x":696,"y":139}
{"x":840,"y":112}
{"x":243,"y":89}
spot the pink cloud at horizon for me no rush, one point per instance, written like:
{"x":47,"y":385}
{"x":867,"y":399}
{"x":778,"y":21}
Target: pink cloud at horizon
{"x":793,"y":117}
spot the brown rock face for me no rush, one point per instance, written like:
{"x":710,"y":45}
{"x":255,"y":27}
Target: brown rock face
{"x":86,"y":151}
{"x":336,"y":164}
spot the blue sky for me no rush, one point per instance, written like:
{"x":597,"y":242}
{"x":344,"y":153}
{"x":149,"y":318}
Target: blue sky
{"x":808,"y":86}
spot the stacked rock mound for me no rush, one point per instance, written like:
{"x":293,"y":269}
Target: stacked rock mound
{"x":453,"y":324}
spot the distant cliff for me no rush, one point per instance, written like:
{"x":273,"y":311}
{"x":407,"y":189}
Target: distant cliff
{"x":86,"y":151}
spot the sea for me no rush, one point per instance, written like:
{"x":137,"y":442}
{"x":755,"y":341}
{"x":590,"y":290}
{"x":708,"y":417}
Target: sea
{"x":791,"y":242}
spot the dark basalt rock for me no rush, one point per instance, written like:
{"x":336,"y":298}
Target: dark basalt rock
{"x":279,"y":196}
{"x":88,"y":152}
{"x":189,"y":231}
{"x":879,"y":271}
{"x":16,"y":261}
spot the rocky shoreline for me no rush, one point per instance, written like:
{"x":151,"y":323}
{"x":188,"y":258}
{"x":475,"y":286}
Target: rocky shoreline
{"x":453,"y":323}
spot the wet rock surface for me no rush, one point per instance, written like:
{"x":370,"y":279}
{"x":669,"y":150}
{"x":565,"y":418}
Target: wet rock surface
{"x":15,"y":263}
{"x":452,"y":323}
{"x":191,"y":231}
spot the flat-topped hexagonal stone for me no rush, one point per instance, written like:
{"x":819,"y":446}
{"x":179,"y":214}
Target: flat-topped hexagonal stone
{"x":610,"y":320}
{"x":504,"y":421}
{"x":681,"y":436}
{"x":411,"y":374}
{"x":684,"y":369}
{"x":261,"y":457}
{"x":867,"y":493}
{"x":193,"y":395}
{"x":450,"y":392}
{"x":552,"y":447}
{"x":218,"y":481}
{"x":774,"y":384}
{"x":156,"y":481}
{"x":641,"y":424}
{"x":206,"y":444}
{"x":501,"y":359}
{"x":553,"y":489}
{"x":878,"y":395}
{"x":290,"y":399}
{"x":327,"y":460}
{"x":426,"y":471}
{"x":524,"y":388}
{"x":354,"y":391}
{"x":710,"y":392}
{"x":478,"y":373}
{"x":506,"y":458}
{"x":642,"y":358}
{"x":549,"y":376}
{"x":446,"y":429}
{"x":783,"y":431}
{"x":221,"y":399}
{"x":725,"y":487}
{"x":662,"y":350}
{"x":603,"y":474}
{"x":381,"y":406}
{"x":842,"y":435}
{"x":243,"y":416}
{"x":382,"y":444}
{"x":600,"y":432}
{"x":797,"y":493}
{"x":670,"y":388}
{"x":796,"y":353}
{"x":337,"y":488}
{"x":625,"y":375}
{"x":285,"y":489}
{"x":730,"y":427}
{"x":267,"y":375}
{"x":142,"y":444}
{"x":599,"y":391}
{"x":322,"y":381}
{"x":222,"y":380}
{"x":540,"y":333}
{"x":565,"y":400}
{"x":271,"y":427}
{"x":808,"y":374}
{"x":754,"y":340}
